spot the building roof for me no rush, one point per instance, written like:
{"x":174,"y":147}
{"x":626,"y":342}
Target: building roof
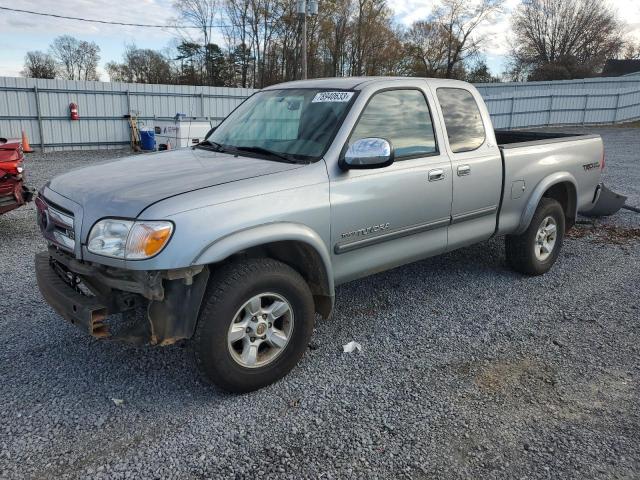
{"x":616,"y":68}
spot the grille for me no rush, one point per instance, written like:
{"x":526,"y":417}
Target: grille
{"x":56,"y":224}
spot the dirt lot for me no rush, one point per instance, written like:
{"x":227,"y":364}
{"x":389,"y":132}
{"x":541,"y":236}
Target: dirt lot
{"x":468,"y":370}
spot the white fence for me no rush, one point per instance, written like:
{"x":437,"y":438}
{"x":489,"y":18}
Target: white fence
{"x":41,"y":107}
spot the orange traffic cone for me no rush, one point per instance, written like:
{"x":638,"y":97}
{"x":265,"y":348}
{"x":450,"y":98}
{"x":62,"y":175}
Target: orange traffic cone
{"x":26,"y":148}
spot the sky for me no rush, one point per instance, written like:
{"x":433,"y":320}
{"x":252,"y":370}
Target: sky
{"x":20,"y":33}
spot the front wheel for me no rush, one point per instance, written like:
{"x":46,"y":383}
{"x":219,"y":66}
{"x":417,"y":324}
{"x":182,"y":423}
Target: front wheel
{"x":535,"y":251}
{"x":255,"y":324}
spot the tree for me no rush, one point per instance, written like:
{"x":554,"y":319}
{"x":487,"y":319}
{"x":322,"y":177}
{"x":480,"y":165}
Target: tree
{"x":426,"y":46}
{"x":38,"y":64}
{"x":240,"y":62}
{"x":200,"y":14}
{"x":65,"y":50}
{"x":217,"y":66}
{"x":372,"y":21}
{"x":333,"y":36}
{"x":479,"y":73}
{"x":262,"y":28}
{"x":190,"y":58}
{"x":348,"y":37}
{"x":632,"y":51}
{"x":449,"y":39}
{"x":460,"y":20}
{"x":559,"y":39}
{"x":77,"y":60}
{"x":238,"y":37}
{"x":88,"y":58}
{"x":260,"y":39}
{"x":141,"y":66}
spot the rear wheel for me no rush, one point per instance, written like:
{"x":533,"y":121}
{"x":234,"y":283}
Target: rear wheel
{"x":535,"y":251}
{"x":255,"y":324}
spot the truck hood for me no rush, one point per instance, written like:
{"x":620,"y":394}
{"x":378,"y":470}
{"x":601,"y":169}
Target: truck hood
{"x":125,"y":187}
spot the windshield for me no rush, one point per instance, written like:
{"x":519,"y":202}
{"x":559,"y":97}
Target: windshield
{"x":286,"y":124}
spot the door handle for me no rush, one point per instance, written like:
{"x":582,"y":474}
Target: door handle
{"x":435,"y":175}
{"x":464,"y":170}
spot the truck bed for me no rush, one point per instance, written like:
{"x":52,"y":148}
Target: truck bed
{"x":516,"y":138}
{"x":529,"y":159}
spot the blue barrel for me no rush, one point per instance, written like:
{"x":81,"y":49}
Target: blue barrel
{"x":147,"y":140}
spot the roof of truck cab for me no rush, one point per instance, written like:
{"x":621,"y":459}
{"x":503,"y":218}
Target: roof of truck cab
{"x":353,"y":83}
{"x":346,"y":83}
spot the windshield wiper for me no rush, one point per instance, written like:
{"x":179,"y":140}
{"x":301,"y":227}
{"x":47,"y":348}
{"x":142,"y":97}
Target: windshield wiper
{"x":265,"y":151}
{"x":208,"y":143}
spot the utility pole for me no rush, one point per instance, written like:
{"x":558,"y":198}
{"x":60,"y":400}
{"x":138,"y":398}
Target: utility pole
{"x":305,"y":7}
{"x":304,"y":36}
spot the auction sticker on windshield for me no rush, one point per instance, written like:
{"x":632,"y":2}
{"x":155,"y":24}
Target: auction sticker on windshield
{"x":339,"y":97}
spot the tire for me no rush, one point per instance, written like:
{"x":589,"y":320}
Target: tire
{"x":240,"y":298}
{"x":525,"y":254}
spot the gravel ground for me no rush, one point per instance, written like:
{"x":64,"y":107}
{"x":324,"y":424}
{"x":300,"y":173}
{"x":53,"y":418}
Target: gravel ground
{"x":467,"y":371}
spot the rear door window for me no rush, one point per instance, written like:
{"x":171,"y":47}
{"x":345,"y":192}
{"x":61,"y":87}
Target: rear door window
{"x":403,"y":118}
{"x":462,"y":119}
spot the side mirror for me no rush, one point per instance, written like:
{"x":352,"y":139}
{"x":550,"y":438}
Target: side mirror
{"x":368,"y":153}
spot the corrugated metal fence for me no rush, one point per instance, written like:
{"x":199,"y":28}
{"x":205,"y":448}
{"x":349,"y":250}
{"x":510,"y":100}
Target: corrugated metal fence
{"x":41,"y":107}
{"x":592,"y":101}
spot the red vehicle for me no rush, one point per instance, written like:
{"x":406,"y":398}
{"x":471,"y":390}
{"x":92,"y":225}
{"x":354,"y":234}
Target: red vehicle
{"x":13,"y":192}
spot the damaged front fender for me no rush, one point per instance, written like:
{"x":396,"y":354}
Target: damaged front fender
{"x":85,"y":293}
{"x":175,"y":317}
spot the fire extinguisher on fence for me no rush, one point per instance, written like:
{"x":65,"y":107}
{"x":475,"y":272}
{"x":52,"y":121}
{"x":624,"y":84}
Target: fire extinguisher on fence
{"x":73,"y":110}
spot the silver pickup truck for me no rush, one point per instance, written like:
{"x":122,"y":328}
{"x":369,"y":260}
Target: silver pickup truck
{"x":238,"y":242}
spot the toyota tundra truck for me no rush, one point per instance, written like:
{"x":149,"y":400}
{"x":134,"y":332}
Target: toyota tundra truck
{"x":238,"y":242}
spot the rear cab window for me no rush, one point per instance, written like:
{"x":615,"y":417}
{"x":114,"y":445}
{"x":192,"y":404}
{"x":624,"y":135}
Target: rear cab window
{"x":462,"y":119}
{"x":403,"y":118}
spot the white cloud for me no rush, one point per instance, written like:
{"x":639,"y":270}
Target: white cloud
{"x":22,"y":32}
{"x":140,"y":11}
{"x":408,"y":11}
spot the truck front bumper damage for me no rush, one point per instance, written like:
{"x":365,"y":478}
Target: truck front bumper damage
{"x":13,"y":194}
{"x":86,"y":294}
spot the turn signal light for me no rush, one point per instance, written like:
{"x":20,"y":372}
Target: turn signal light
{"x":147,"y":239}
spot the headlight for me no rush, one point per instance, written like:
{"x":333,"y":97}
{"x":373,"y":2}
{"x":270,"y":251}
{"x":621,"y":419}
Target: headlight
{"x":127,"y":239}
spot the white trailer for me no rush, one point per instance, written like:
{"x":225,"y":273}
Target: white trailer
{"x":181,"y":131}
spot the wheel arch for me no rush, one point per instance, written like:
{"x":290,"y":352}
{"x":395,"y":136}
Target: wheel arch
{"x":560,"y":186}
{"x":294,"y":244}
